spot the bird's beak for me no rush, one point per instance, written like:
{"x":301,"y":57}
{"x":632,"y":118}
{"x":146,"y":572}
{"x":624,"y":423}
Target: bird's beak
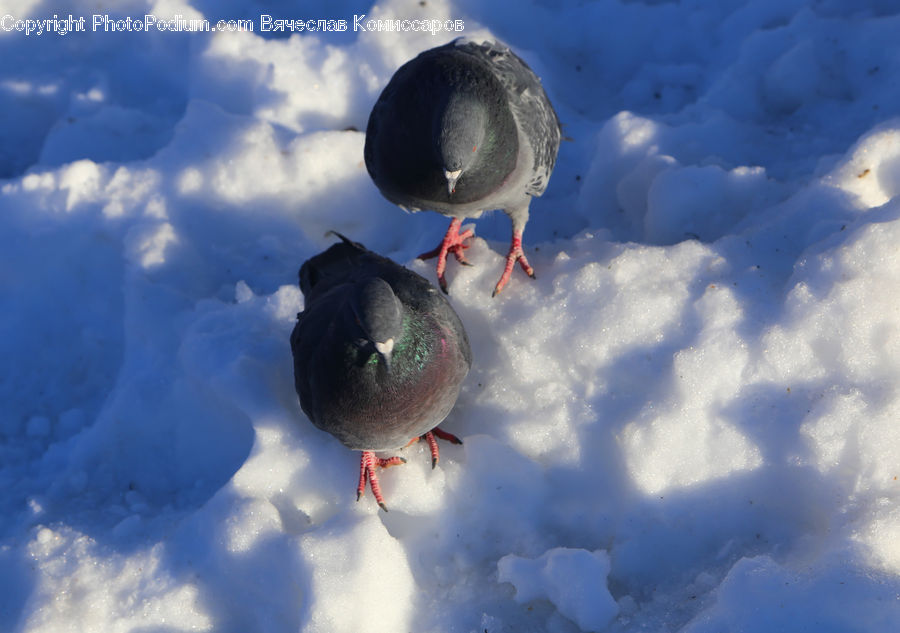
{"x":385,"y":350}
{"x":452,"y":177}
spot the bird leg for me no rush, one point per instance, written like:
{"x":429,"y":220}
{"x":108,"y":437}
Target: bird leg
{"x":515,"y":254}
{"x":367,"y":466}
{"x":430,"y":437}
{"x":369,"y":462}
{"x":452,"y":243}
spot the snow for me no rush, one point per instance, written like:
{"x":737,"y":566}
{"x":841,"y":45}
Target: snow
{"x":569,"y":578}
{"x":686,"y":423}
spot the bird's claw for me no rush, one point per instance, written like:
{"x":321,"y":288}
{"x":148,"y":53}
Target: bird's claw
{"x":368,"y":463}
{"x":516,"y":254}
{"x":431,"y":438}
{"x":453,"y":242}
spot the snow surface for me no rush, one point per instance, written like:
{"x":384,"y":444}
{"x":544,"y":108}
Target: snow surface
{"x":572,"y":579}
{"x":688,"y":422}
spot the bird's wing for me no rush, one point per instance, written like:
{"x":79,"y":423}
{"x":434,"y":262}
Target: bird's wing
{"x":530,"y":106}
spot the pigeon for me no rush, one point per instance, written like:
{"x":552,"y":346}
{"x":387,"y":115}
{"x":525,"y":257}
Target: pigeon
{"x":461,"y":129}
{"x":379,"y":355}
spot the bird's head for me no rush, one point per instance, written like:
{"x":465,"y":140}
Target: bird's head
{"x":459,"y":131}
{"x":378,"y":314}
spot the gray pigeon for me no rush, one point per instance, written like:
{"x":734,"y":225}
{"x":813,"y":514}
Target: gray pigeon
{"x":379,"y":355}
{"x":461,"y":129}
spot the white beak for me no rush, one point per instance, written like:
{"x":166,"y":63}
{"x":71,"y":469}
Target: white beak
{"x":384,"y":350}
{"x":452,"y":177}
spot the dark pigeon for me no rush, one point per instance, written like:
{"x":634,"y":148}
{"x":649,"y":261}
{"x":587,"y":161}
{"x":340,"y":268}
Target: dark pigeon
{"x":461,"y":129}
{"x":379,"y":355}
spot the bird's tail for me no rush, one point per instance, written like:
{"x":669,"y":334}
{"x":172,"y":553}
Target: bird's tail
{"x":336,"y":263}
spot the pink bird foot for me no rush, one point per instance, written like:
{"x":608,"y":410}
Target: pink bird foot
{"x":367,"y":466}
{"x":433,"y":445}
{"x":370,"y":462}
{"x":453,"y":242}
{"x":515,"y":254}
{"x":431,"y":437}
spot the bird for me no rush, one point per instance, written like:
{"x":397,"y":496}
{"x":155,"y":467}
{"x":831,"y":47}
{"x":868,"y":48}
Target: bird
{"x":460,"y":129}
{"x":379,"y":356}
